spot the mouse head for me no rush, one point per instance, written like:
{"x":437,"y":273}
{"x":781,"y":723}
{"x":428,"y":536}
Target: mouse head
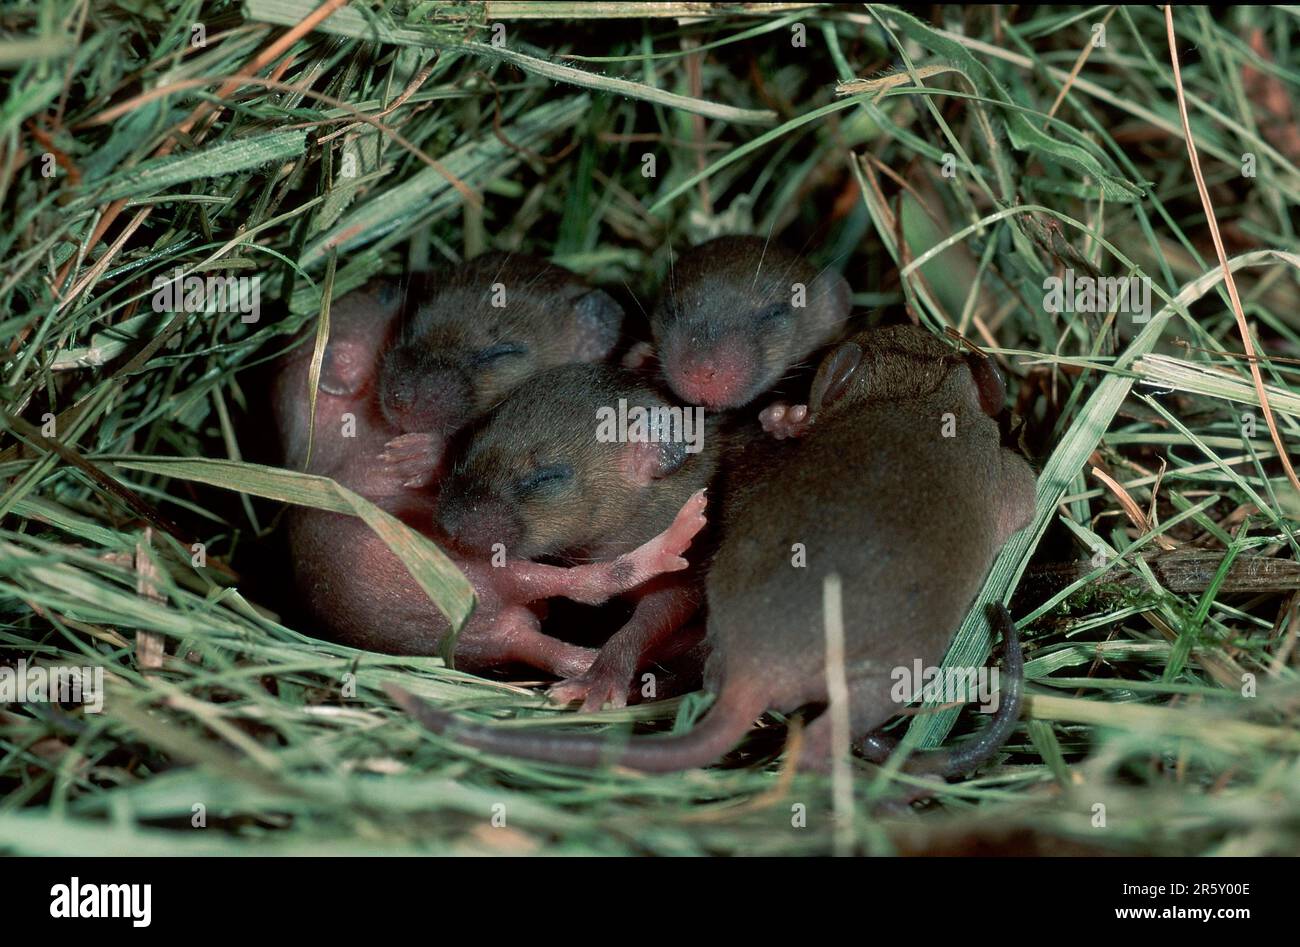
{"x":900,"y":363}
{"x":546,"y":472}
{"x":736,"y":313}
{"x":481,"y":330}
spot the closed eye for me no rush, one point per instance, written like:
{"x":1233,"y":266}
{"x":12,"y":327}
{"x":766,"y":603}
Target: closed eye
{"x":542,"y":477}
{"x":777,"y":312}
{"x":500,"y":350}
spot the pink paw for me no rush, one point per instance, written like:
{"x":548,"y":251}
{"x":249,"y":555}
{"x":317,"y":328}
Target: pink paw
{"x":596,"y":689}
{"x":665,"y":552}
{"x":598,"y":582}
{"x":412,"y":458}
{"x":783,"y":420}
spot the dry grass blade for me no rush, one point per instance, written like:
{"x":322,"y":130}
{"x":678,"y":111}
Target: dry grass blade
{"x":1247,"y":344}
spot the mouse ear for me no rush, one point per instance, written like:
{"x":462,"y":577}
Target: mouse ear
{"x":645,"y":461}
{"x":835,"y":290}
{"x":834,"y":375}
{"x":988,"y":382}
{"x":597,"y":320}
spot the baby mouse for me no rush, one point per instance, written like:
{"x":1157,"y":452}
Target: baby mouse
{"x":486,"y":326}
{"x":348,"y":578}
{"x":901,"y":489}
{"x":550,"y":473}
{"x":737,"y":313}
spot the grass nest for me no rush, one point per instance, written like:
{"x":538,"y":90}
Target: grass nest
{"x":948,"y":165}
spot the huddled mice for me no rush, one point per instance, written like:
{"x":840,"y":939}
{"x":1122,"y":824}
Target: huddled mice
{"x":471,"y":410}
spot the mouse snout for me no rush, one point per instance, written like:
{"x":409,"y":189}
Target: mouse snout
{"x":475,"y":523}
{"x":717,"y":377}
{"x":427,"y":397}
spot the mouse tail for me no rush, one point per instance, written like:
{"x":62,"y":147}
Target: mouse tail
{"x":964,"y":758}
{"x":720,"y":730}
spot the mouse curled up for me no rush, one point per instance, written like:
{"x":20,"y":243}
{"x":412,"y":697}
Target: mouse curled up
{"x":351,"y":582}
{"x":537,"y":478}
{"x":898,"y":484}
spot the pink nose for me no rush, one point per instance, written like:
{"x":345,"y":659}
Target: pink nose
{"x":714,"y":381}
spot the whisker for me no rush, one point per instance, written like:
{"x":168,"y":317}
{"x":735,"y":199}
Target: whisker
{"x":672,"y":275}
{"x":762,"y":256}
{"x":634,"y":299}
{"x":835,"y":259}
{"x":504,"y":263}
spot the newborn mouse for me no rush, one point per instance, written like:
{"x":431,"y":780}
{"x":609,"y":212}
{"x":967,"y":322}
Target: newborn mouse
{"x":356,"y":587}
{"x":551,"y":473}
{"x":487,"y":325}
{"x":737,"y":313}
{"x":900,"y":487}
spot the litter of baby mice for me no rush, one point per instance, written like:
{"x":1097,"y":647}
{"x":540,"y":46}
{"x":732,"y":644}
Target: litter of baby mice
{"x":862,"y":490}
{"x":546,"y":472}
{"x":647,"y":428}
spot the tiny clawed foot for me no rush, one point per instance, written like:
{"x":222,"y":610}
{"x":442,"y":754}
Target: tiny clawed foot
{"x":688,"y":522}
{"x":666,"y":552}
{"x":413,"y":458}
{"x":783,"y":420}
{"x":595,"y":690}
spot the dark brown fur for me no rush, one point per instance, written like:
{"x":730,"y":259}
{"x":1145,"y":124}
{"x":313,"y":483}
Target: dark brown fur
{"x":534,"y":477}
{"x":536,"y":480}
{"x":909,"y":519}
{"x":459,"y":352}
